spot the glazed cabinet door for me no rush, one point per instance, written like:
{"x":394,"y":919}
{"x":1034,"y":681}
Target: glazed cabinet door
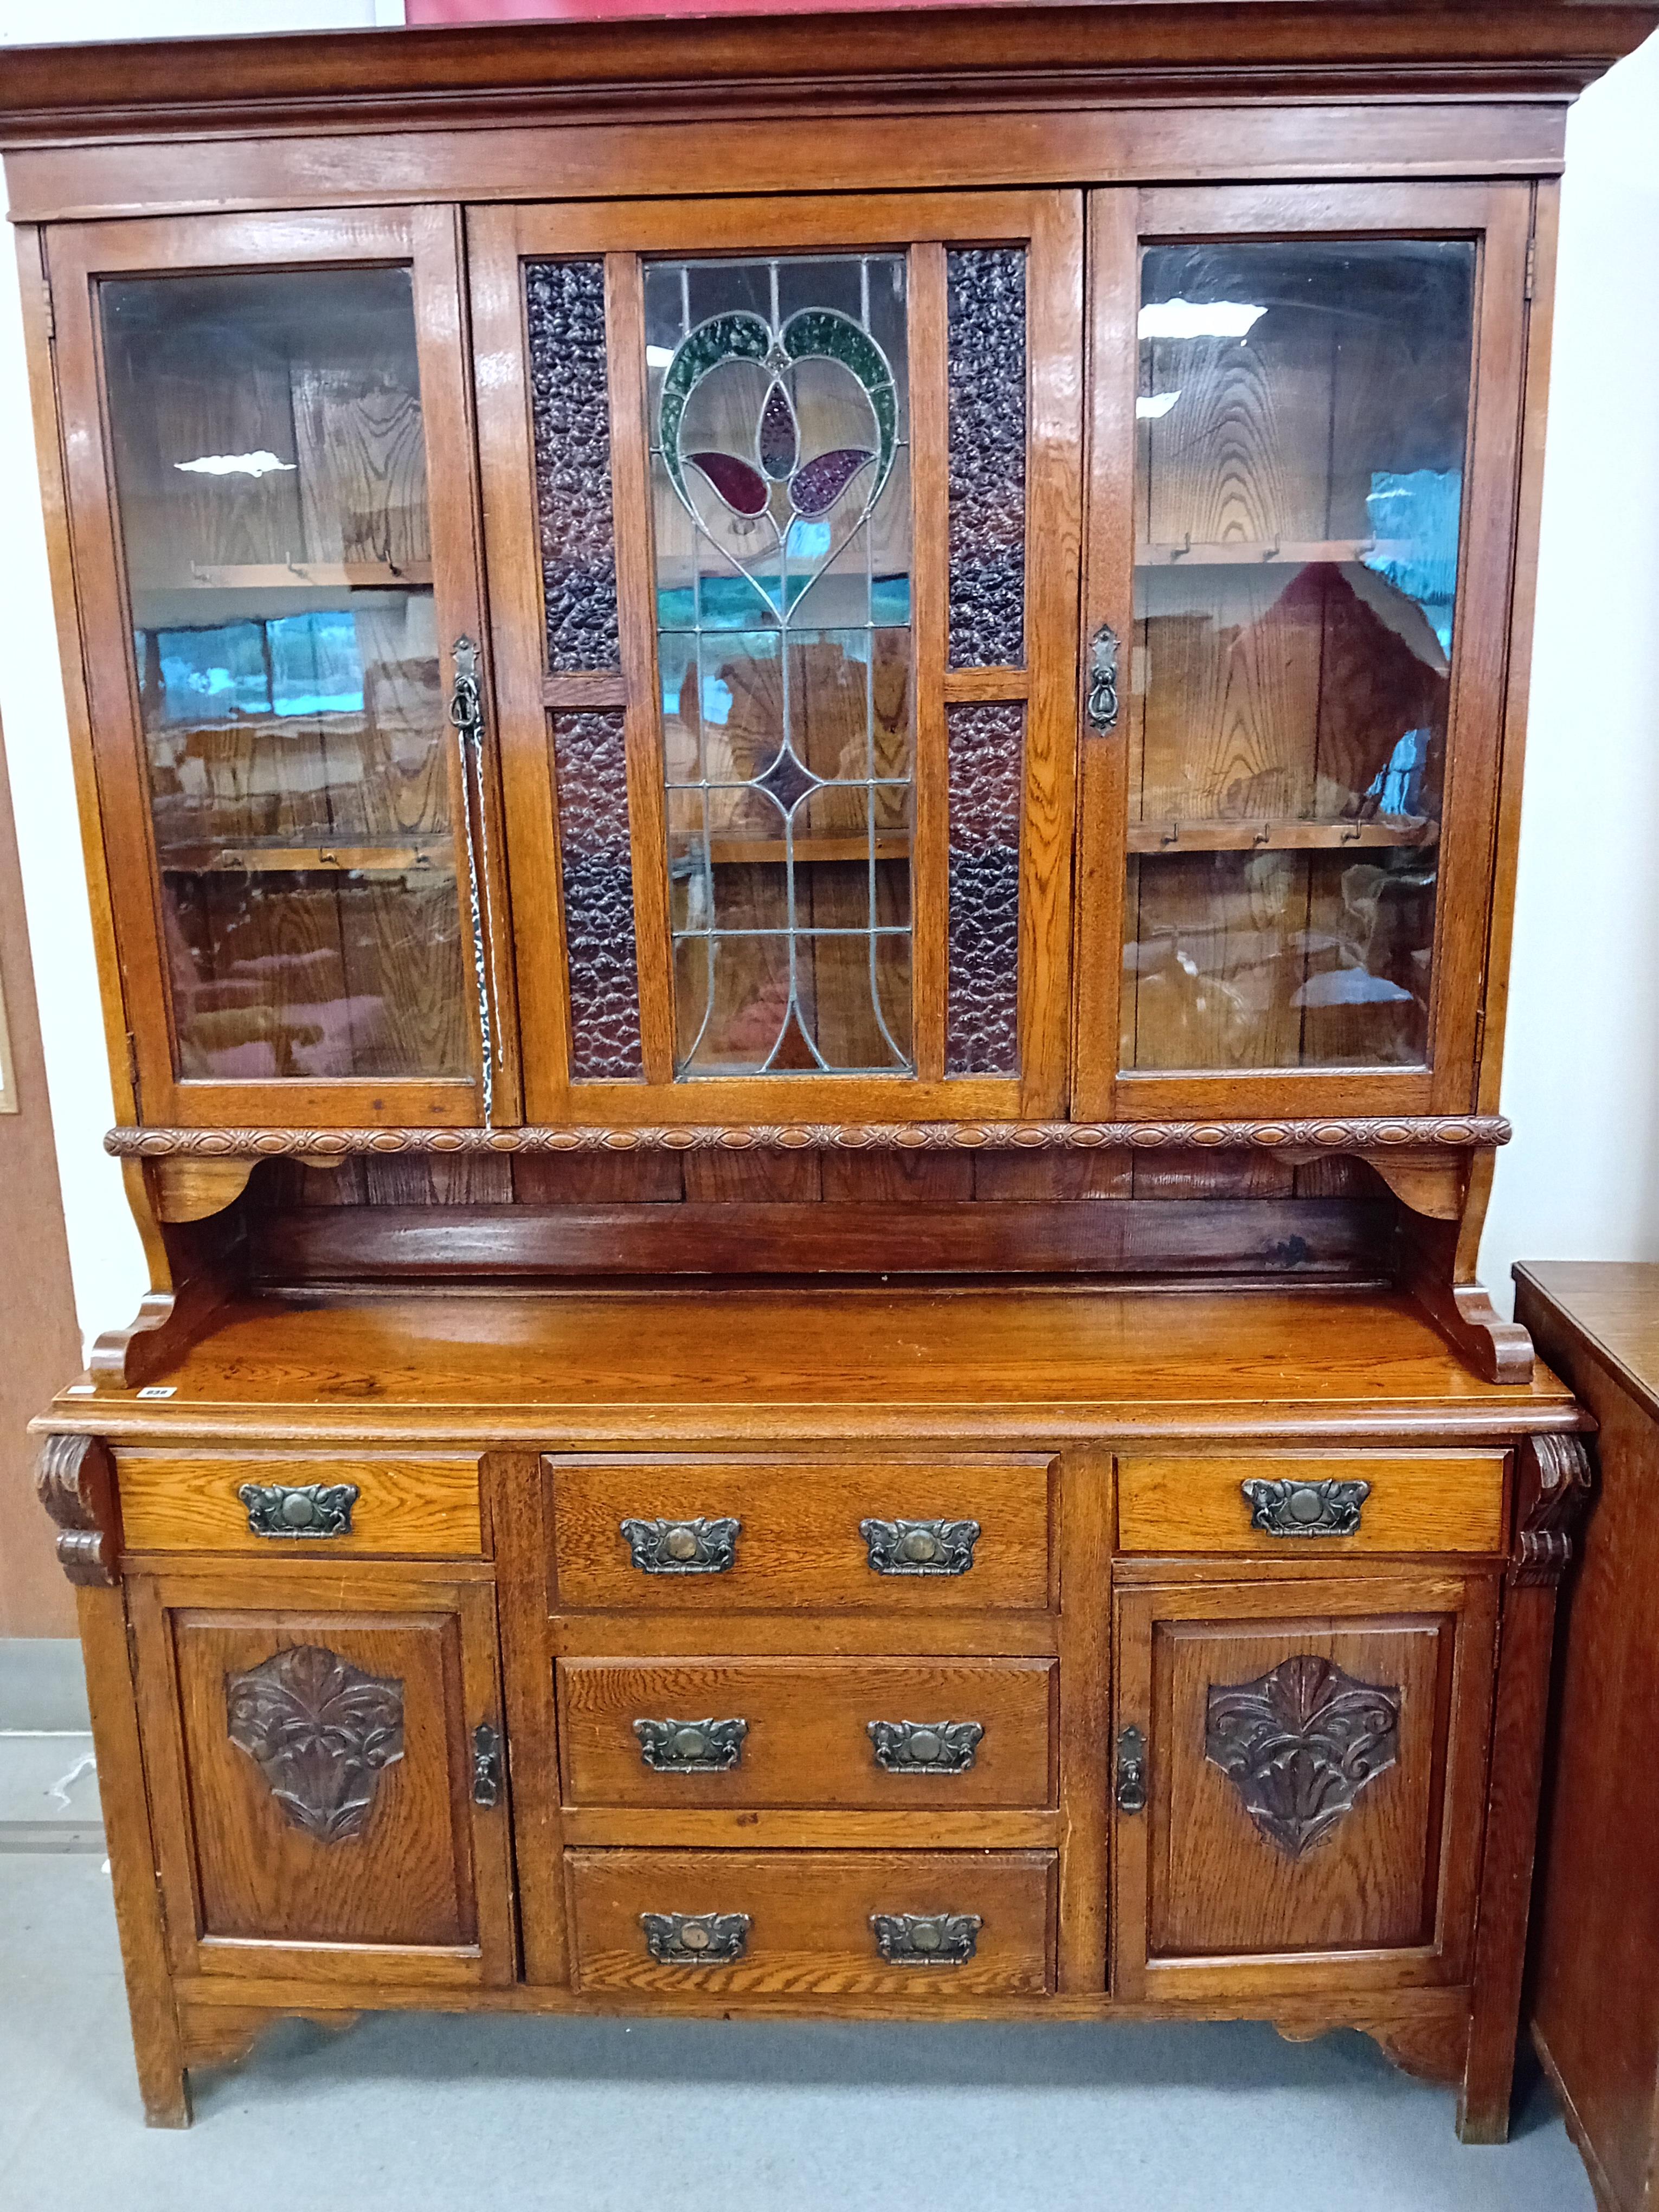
{"x":781,"y":502}
{"x":327,"y":1774}
{"x":272,"y":494}
{"x":1306,"y":407}
{"x":1299,"y":1783}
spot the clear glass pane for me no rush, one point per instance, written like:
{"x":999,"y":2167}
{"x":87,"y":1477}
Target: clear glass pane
{"x":1303,"y":415}
{"x":778,"y":418}
{"x":270,"y":472}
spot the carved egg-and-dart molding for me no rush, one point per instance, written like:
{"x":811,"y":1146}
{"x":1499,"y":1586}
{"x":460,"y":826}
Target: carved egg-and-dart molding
{"x":1299,"y":1744}
{"x":321,"y":1733}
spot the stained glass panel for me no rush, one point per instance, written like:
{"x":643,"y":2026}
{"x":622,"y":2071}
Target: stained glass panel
{"x":987,"y":750}
{"x":986,"y":292}
{"x":779,"y":426}
{"x":598,"y":873}
{"x":570,"y":411}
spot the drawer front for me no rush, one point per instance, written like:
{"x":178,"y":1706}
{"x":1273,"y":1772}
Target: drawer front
{"x":896,"y":1734}
{"x":1290,"y":1504}
{"x":728,"y":1534}
{"x":936,"y":1927}
{"x":301,"y":1505}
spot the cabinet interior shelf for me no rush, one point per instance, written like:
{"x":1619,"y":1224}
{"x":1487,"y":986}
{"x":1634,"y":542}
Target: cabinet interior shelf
{"x":754,"y":852}
{"x":293,"y":859}
{"x":1259,"y":552}
{"x":314,"y":576}
{"x":1234,"y":836}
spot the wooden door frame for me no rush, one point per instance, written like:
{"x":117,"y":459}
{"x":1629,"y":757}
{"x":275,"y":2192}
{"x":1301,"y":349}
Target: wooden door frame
{"x":1498,"y":216}
{"x":428,"y":239}
{"x":1249,"y":1593}
{"x":364,"y":1592}
{"x":623,"y":233}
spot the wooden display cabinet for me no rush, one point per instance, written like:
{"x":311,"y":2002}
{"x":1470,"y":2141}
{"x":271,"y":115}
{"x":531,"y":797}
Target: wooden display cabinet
{"x":800,"y":760}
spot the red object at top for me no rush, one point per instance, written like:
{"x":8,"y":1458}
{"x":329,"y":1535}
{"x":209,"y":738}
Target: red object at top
{"x":420,"y":12}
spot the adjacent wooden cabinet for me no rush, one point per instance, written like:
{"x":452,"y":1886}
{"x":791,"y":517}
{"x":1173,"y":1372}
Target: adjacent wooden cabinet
{"x":801,"y":754}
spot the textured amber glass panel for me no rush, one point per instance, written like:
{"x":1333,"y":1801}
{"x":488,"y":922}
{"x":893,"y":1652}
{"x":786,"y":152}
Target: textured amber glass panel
{"x":778,"y":417}
{"x":570,"y":409}
{"x":986,"y":778}
{"x":1304,"y":413}
{"x":271,"y":488}
{"x":597,"y":865}
{"x":987,"y":296}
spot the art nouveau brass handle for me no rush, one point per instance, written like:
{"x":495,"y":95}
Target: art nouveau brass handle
{"x":925,"y":1939}
{"x":708,"y":1746}
{"x":305,"y":1508}
{"x":925,"y":1747}
{"x":695,"y":1939}
{"x":682,"y":1547}
{"x":1103,"y":679}
{"x":486,"y":1766}
{"x":921,"y":1548}
{"x":1306,"y":1509}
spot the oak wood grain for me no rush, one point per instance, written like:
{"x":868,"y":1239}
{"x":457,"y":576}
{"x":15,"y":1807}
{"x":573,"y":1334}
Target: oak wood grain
{"x":1432,"y":1502}
{"x":176,"y":1501}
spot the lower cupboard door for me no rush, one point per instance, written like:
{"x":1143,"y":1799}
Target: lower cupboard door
{"x":326,"y":1775}
{"x":1300,"y":1783}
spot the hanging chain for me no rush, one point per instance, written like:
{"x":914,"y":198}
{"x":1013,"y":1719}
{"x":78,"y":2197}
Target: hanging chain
{"x":466,"y":714}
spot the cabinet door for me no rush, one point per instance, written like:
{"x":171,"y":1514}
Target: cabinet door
{"x":272,"y":493}
{"x":781,"y":508}
{"x":1300,"y":1783}
{"x":325,"y":1801}
{"x":1306,"y":413}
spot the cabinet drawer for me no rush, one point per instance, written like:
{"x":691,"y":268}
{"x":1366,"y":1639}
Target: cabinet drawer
{"x":1425,"y":1501}
{"x":958,"y":1924}
{"x":798,"y":1732}
{"x":726,"y":1534}
{"x":418,"y":1506}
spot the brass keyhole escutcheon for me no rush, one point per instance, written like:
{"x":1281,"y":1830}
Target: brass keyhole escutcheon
{"x":694,"y":1938}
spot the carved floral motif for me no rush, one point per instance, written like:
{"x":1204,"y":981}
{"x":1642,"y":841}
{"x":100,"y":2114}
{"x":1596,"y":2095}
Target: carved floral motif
{"x":320,"y":1732}
{"x":1299,"y":1744}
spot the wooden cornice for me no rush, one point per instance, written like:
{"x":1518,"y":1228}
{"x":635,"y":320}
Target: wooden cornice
{"x":1425,"y":1132}
{"x":721,"y":67}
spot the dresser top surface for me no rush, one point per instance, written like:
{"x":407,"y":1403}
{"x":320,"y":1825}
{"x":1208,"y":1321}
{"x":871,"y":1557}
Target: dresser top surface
{"x":1610,"y":1308}
{"x":851,"y":1358}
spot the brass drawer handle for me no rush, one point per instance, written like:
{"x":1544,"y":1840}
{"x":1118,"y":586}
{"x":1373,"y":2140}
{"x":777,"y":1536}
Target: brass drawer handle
{"x":921,"y":1548}
{"x":695,"y":1939}
{"x":690,"y":1747}
{"x":1131,"y":1792}
{"x":1306,"y":1509}
{"x":682,"y":1547}
{"x":926,"y":1746}
{"x":1102,"y":708}
{"x":927,"y":1938}
{"x":306,"y":1509}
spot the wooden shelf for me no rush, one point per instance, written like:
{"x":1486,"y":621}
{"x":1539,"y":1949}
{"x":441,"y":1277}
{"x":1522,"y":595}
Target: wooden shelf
{"x":744,"y":852}
{"x":314,"y":576}
{"x":1255,"y":553}
{"x":1235,"y":836}
{"x":293,"y":859}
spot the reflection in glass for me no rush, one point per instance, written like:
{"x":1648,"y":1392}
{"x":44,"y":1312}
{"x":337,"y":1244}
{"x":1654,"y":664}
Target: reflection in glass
{"x":270,"y":469}
{"x":1303,"y":420}
{"x":778,"y":413}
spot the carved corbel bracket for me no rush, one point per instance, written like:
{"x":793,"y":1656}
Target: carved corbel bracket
{"x":76,"y":1483}
{"x":1553,"y":1484}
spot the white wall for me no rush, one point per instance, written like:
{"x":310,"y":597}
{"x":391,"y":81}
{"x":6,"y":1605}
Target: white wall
{"x":1582,"y":1072}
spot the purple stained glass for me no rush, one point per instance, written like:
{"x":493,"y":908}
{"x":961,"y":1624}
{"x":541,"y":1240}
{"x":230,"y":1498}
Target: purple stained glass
{"x":986,"y":293}
{"x":596,"y":868}
{"x":570,"y":411}
{"x":986,"y":748}
{"x":780,"y":436}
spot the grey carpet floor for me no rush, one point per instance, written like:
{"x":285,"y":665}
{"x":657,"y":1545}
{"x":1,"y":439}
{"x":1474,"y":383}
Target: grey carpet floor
{"x":409,"y":2112}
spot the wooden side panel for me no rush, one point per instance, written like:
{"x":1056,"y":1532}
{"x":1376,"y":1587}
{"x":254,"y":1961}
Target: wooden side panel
{"x":810,"y":1917}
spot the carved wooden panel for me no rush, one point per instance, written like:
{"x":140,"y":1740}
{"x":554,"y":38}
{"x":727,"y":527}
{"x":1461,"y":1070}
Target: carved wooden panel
{"x":321,"y":1732}
{"x":1299,"y":1744}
